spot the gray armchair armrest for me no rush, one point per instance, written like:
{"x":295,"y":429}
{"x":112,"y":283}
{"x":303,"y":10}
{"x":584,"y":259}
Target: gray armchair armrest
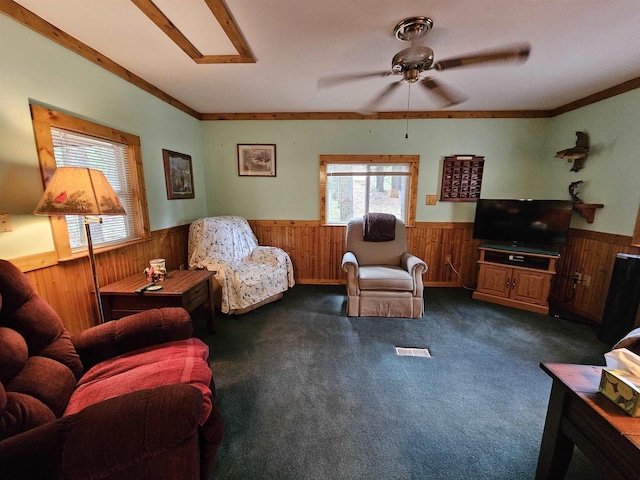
{"x":350,"y":265}
{"x":416,"y":268}
{"x":349,"y":260}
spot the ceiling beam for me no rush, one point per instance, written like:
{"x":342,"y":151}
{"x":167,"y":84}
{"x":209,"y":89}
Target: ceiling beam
{"x":224,"y":18}
{"x":218,"y":8}
{"x":598,"y":97}
{"x":38,"y":24}
{"x":228,"y":24}
{"x":170,"y":30}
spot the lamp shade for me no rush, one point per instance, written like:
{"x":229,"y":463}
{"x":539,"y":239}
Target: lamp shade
{"x":79,"y":191}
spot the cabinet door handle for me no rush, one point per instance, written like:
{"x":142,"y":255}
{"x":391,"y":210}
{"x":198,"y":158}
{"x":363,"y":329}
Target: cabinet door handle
{"x":508,"y":283}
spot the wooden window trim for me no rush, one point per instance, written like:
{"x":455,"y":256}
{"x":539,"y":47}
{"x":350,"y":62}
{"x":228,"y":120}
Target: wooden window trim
{"x":635,"y":240}
{"x":43,"y":119}
{"x":414,"y":165}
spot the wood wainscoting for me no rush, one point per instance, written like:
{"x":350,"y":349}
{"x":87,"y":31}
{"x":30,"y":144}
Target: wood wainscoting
{"x":592,"y":254}
{"x":68,"y":286}
{"x":316,"y":252}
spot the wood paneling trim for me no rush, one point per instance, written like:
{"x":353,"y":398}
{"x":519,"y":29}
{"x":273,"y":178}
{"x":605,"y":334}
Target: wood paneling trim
{"x":598,"y":97}
{"x":54,"y":118}
{"x":38,"y":24}
{"x":168,"y":28}
{"x":34,"y":262}
{"x":316,"y":252}
{"x":230,"y":27}
{"x":636,"y":231}
{"x":68,"y":286}
{"x":376,"y":116}
{"x":222,"y":15}
{"x":609,"y":238}
{"x":593,"y":255}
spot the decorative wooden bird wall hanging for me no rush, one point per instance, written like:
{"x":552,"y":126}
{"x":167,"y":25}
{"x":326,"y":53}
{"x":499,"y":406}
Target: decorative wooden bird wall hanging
{"x":577,"y":154}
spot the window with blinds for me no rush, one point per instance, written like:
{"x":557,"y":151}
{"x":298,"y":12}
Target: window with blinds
{"x":354,"y":185}
{"x":73,"y":149}
{"x":76,"y":142}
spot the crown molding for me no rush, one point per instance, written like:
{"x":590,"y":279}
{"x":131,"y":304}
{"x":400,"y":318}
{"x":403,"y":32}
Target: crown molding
{"x":377,"y":116}
{"x":41,"y":26}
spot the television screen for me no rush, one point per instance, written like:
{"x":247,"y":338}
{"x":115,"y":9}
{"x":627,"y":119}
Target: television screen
{"x":529,"y":222}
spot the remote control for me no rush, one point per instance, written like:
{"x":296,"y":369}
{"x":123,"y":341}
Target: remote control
{"x":144,"y":287}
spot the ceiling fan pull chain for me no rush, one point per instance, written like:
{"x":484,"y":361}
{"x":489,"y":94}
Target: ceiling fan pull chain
{"x":406,"y":134}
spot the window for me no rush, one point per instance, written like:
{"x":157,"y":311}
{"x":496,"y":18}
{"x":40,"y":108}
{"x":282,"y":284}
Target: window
{"x":80,"y":143}
{"x":353,"y":185}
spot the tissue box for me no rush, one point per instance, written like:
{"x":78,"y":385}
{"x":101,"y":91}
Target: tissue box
{"x":623,"y":392}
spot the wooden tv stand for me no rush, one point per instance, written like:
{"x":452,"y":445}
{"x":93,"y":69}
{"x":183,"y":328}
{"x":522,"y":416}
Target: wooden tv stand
{"x":516,"y":276}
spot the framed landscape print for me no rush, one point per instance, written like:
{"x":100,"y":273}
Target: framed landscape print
{"x":257,"y":160}
{"x":178,"y":174}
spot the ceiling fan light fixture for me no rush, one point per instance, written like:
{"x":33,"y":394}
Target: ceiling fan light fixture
{"x":418,"y":58}
{"x":412,"y":28}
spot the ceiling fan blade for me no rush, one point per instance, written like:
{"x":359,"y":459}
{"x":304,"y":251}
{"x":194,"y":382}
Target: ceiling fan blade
{"x":516,"y":53}
{"x":373,"y":105}
{"x":333,"y":80}
{"x":446,"y":97}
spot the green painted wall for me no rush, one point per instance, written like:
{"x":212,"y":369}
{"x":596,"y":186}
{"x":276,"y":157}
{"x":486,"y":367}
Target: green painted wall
{"x":512,"y":150}
{"x":612,"y":170}
{"x":519,"y":152}
{"x":38,"y":70}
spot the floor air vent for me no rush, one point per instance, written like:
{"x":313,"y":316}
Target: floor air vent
{"x":413,"y":352}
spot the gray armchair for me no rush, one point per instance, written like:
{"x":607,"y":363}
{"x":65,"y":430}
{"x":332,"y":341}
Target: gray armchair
{"x":383,"y":280}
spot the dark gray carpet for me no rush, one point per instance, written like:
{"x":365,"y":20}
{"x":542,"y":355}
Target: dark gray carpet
{"x":308,"y":393}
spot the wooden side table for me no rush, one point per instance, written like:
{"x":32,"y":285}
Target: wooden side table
{"x":182,"y":288}
{"x":579,"y":415}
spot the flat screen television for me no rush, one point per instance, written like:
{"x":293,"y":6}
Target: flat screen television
{"x":542,"y":223}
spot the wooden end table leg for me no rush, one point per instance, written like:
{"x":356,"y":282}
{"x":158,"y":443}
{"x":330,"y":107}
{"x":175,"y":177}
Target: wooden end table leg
{"x":556,"y":448}
{"x":211,"y":320}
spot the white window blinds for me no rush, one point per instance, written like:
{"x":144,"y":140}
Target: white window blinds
{"x":77,"y":150}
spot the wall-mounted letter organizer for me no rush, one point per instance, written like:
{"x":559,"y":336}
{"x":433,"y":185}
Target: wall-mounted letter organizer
{"x":461,"y":178}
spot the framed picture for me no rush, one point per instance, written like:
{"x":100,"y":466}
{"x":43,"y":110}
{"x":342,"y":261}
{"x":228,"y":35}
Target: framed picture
{"x":257,"y":160}
{"x":178,"y":174}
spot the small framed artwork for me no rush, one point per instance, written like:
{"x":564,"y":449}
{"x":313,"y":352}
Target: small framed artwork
{"x":178,"y":174}
{"x":257,"y":160}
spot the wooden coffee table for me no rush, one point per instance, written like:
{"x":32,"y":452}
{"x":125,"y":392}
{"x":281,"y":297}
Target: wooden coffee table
{"x":182,"y":288}
{"x":579,"y":415}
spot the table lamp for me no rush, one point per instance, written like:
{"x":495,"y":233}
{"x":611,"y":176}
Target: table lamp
{"x":86,"y":192}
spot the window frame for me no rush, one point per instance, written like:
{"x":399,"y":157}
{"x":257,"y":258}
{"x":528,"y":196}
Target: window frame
{"x":635,"y":239}
{"x":45,"y":118}
{"x":412,"y":160}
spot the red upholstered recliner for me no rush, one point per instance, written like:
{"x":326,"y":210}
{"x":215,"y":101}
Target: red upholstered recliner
{"x":129,"y":399}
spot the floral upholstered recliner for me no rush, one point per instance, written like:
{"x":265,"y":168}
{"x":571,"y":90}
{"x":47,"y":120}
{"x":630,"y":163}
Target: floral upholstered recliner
{"x":249,"y":275}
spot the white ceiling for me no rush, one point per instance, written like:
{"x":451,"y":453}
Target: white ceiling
{"x":579,"y":47}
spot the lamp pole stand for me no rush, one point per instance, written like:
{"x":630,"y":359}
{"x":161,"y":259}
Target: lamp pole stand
{"x":92,"y":261}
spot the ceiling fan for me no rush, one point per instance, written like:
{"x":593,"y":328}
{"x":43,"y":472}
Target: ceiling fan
{"x":413,"y":61}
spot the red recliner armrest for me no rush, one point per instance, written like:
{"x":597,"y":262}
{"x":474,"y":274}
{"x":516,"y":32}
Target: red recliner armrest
{"x":145,"y":434}
{"x":140,"y":330}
